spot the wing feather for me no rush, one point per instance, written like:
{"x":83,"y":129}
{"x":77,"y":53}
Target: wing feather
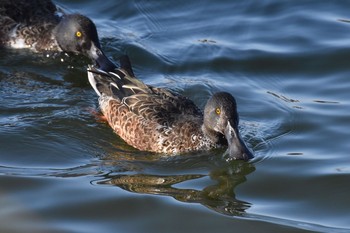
{"x":153,"y":104}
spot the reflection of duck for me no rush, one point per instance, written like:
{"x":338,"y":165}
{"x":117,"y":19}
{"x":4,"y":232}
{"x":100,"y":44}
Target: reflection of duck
{"x":219,"y":197}
{"x":157,"y":120}
{"x":36,"y":24}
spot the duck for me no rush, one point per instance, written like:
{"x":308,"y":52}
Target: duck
{"x":41,"y":26}
{"x":159,"y":120}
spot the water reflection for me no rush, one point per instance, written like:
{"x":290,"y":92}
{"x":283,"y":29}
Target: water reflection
{"x":219,"y":196}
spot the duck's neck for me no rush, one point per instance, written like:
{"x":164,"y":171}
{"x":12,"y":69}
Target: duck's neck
{"x":212,"y":135}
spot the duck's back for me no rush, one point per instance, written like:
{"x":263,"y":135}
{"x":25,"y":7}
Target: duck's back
{"x":150,"y":122}
{"x":27,"y":23}
{"x":27,"y":11}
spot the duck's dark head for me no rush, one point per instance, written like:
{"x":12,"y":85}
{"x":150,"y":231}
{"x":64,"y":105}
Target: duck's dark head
{"x":77,"y":34}
{"x":221,"y":119}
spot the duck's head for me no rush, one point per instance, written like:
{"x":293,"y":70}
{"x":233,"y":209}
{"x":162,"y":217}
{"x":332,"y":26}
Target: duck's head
{"x":77,"y":33}
{"x":221,"y":119}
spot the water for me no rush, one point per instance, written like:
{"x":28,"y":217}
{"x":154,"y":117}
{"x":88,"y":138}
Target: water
{"x":287,"y":64}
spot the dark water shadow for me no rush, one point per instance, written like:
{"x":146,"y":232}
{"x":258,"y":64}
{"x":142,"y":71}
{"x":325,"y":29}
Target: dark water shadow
{"x":220,"y":181}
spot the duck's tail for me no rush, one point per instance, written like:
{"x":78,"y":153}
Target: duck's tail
{"x":119,"y":83}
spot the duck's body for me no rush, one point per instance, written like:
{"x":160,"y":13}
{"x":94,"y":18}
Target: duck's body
{"x":161,"y":128}
{"x":40,"y":26}
{"x":157,"y":120}
{"x":28,"y":24}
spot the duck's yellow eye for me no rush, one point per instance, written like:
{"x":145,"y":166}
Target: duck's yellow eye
{"x":78,"y":34}
{"x":218,"y":111}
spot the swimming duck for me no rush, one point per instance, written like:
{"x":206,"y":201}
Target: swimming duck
{"x":41,"y":26}
{"x":157,"y":120}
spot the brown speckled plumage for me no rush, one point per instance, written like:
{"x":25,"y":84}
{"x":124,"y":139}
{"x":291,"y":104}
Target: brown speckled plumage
{"x":149,"y":132}
{"x":31,"y":20}
{"x":158,"y":120}
{"x":153,"y":119}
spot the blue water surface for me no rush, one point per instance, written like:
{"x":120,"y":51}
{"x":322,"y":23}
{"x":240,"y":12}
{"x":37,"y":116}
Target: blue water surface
{"x":286,"y":62}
